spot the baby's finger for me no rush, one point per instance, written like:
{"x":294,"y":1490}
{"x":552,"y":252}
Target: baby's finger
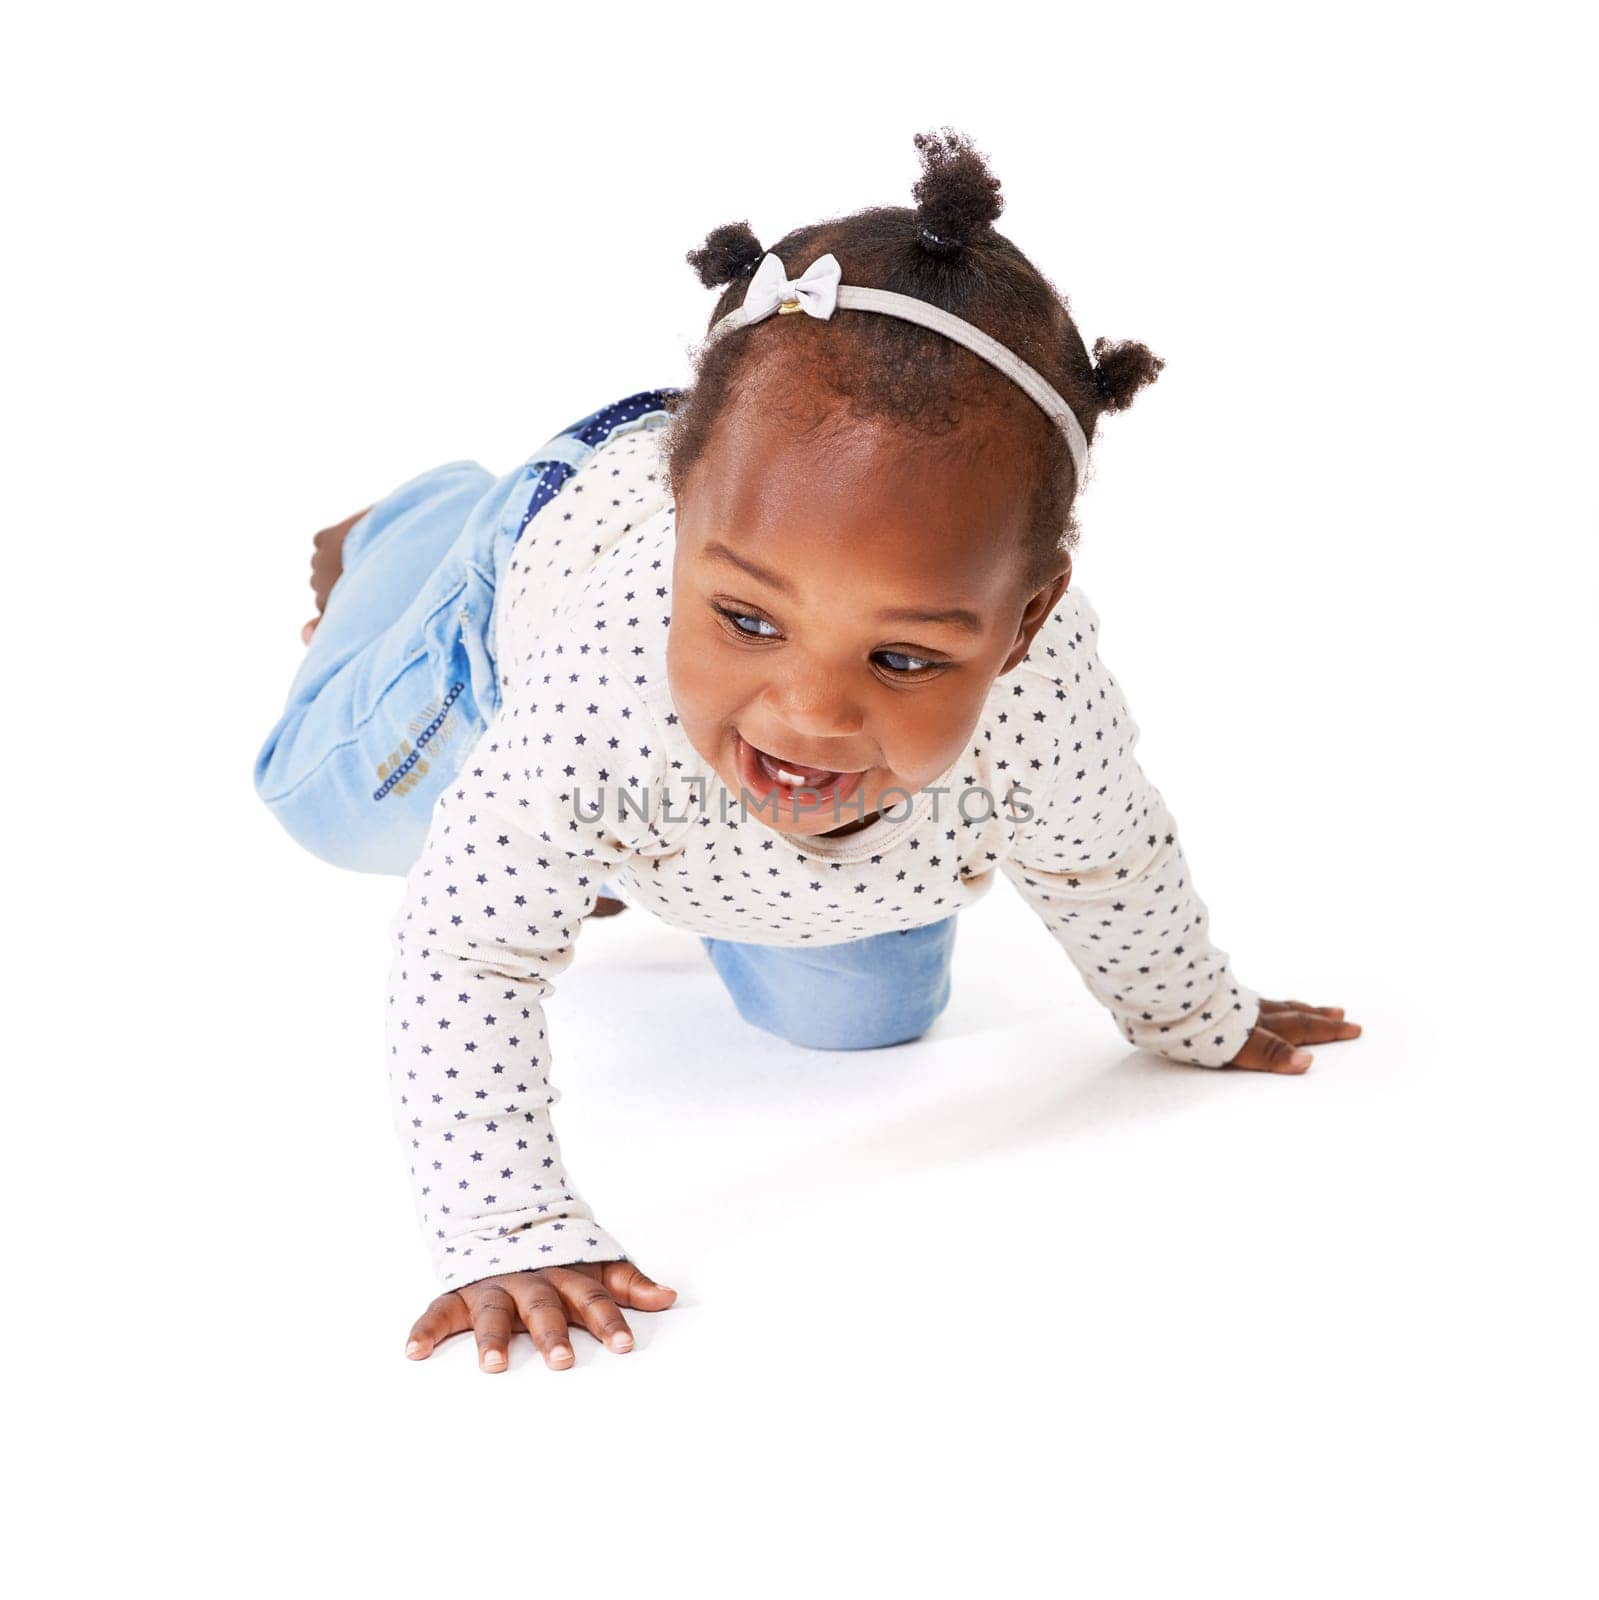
{"x":1311,"y":1027}
{"x":630,"y":1287}
{"x":443,"y":1319}
{"x":592,"y":1307}
{"x":493,"y":1321}
{"x":1265,"y":1051}
{"x":544,"y":1317}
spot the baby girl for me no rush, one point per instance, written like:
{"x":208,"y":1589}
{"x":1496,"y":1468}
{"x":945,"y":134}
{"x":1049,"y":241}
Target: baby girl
{"x":789,"y":658}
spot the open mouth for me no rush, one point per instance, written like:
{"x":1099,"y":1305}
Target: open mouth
{"x":764,"y":774}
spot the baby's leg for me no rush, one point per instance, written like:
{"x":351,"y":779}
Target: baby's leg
{"x":396,"y":683}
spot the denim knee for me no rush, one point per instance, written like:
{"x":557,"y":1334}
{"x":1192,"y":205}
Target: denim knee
{"x":867,"y":995}
{"x":855,"y":1027}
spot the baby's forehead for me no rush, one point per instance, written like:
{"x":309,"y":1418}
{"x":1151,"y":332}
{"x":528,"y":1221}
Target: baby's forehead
{"x":816,"y":493}
{"x":766,"y":477}
{"x":858,"y":570}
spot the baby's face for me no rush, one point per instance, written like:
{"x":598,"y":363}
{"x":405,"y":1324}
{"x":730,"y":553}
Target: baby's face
{"x":841,"y":608}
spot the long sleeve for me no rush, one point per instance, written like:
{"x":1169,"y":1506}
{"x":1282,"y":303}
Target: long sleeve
{"x":490,"y":917}
{"x":1100,"y":862}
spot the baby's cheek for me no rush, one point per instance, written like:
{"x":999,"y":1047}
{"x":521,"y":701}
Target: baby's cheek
{"x":699,"y":689}
{"x":930,"y":735}
{"x":704,"y":696}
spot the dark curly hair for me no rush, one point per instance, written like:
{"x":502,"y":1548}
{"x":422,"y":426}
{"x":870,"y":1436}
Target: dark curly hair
{"x":946,"y":251}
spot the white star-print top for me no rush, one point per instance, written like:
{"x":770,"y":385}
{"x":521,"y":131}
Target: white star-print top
{"x":535,"y":823}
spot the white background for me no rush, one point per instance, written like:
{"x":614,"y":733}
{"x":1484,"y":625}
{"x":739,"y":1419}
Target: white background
{"x":1144,"y":1330}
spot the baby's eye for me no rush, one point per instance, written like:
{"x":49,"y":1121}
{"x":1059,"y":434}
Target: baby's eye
{"x":899,"y":663}
{"x":917,"y":663}
{"x":739,"y":618}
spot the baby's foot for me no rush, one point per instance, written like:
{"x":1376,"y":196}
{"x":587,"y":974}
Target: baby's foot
{"x":327,"y":562}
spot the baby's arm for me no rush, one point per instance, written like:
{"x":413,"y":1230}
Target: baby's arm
{"x":490,"y":917}
{"x":1101,"y":864}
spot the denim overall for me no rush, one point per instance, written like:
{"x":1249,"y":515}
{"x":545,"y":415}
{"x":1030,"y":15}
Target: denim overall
{"x":399,"y":681}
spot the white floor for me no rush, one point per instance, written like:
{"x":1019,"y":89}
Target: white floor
{"x":1007,"y":1296}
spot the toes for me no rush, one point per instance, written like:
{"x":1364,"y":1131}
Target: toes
{"x":308,"y":630}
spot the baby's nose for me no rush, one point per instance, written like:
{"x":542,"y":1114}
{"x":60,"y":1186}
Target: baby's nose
{"x":814,"y":710}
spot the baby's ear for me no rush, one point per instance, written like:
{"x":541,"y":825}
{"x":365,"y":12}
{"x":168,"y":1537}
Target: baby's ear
{"x":1039,"y":606}
{"x":1048,"y":596}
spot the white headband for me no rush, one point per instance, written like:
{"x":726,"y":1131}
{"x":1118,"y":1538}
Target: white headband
{"x":817,"y":291}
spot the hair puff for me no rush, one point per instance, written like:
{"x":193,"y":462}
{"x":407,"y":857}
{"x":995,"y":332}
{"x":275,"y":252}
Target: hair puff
{"x":957,"y":197}
{"x":1122,"y":369}
{"x":729,"y":253}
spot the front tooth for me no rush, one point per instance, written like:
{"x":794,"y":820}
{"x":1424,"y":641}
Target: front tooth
{"x":793,"y":780}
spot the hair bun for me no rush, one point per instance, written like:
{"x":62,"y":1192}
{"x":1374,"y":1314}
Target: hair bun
{"x":729,"y":253}
{"x":1122,"y":369}
{"x":957,"y":197}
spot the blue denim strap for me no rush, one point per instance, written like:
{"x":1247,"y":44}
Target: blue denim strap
{"x":573,"y":445}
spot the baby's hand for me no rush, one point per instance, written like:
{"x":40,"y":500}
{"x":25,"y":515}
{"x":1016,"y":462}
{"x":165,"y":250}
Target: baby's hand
{"x":1284,"y":1025}
{"x":587,"y":1294}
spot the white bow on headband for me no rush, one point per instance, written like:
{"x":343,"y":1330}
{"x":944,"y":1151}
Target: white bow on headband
{"x":818,"y":292}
